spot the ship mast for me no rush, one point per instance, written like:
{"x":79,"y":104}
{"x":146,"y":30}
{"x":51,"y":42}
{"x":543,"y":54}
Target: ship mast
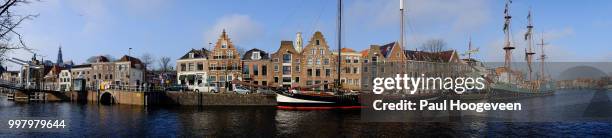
{"x":338,"y":83}
{"x":542,"y":58}
{"x":529,"y":51}
{"x":470,"y":49}
{"x":402,"y":24}
{"x":507,"y":46}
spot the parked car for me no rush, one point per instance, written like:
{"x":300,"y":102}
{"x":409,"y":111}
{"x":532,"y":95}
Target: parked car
{"x":176,"y":88}
{"x":206,"y":87}
{"x":241,"y":90}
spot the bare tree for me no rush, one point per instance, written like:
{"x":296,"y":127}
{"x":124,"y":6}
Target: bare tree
{"x":240,"y":50}
{"x":434,"y":45}
{"x":8,"y":22}
{"x":147,"y":59}
{"x":164,"y":64}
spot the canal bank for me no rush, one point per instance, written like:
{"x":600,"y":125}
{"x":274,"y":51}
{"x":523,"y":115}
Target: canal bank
{"x":166,"y":98}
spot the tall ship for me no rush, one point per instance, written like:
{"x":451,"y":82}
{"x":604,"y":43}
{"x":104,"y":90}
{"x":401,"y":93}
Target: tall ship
{"x":298,"y":98}
{"x":511,"y":83}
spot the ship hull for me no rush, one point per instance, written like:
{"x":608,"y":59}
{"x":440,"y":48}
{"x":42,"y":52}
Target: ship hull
{"x":504,"y":94}
{"x":317,"y":102}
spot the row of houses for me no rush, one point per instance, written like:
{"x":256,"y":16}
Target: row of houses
{"x":126,"y":71}
{"x":294,"y":64}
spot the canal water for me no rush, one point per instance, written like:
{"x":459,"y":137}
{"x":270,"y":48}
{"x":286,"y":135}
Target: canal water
{"x":127,"y":121}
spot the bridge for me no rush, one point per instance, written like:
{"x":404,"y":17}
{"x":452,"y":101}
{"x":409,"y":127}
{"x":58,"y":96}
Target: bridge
{"x":21,"y":92}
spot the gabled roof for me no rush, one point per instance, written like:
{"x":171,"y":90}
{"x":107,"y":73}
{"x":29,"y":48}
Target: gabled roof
{"x":444,"y":56}
{"x":197,"y":53}
{"x":248,"y":55}
{"x":364,"y":53}
{"x":347,"y":50}
{"x":101,"y":59}
{"x":386,"y":49}
{"x":81,"y":66}
{"x":127,"y":58}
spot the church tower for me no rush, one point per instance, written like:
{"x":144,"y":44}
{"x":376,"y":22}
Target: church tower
{"x":60,"y":61}
{"x":299,"y":43}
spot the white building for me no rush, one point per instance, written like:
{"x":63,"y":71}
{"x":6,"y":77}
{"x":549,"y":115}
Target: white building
{"x":192,"y":68}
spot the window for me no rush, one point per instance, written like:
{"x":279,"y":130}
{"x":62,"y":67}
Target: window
{"x":191,"y":67}
{"x":355,"y":59}
{"x":318,"y":42}
{"x":297,"y":79}
{"x":347,"y":59}
{"x":365,"y":61}
{"x":286,"y":58}
{"x":309,"y":72}
{"x":256,"y":55}
{"x":264,"y":70}
{"x":321,"y":51}
{"x":229,"y":78}
{"x":224,"y":44}
{"x":318,"y":72}
{"x":212,"y":78}
{"x":355,"y":70}
{"x":286,"y":79}
{"x":309,"y":61}
{"x":275,"y":68}
{"x":286,"y":70}
{"x":313,"y":51}
{"x":326,"y":61}
{"x":275,"y":79}
{"x":245,"y":70}
{"x":230,"y":54}
{"x":297,"y":68}
{"x":347,"y":70}
{"x":319,"y":61}
{"x":191,"y":55}
{"x":275,"y":60}
{"x":374,"y":59}
{"x":200,"y":66}
{"x":213,"y":66}
{"x":327,"y":72}
{"x":255,"y":69}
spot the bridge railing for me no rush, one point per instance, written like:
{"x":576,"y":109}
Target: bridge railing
{"x":136,"y":88}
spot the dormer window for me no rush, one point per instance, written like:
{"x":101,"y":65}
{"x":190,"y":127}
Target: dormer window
{"x":191,"y":55}
{"x":256,"y":56}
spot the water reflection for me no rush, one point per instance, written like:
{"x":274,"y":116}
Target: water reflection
{"x":127,"y":121}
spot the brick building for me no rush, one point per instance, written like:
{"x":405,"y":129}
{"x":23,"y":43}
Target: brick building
{"x":224,"y":62}
{"x":256,"y":66}
{"x":319,"y":64}
{"x":285,"y":64}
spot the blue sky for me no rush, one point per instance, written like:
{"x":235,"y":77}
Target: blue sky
{"x":575,"y":30}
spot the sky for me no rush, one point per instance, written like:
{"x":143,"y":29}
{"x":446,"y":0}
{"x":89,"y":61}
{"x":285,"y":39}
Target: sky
{"x":574,"y":30}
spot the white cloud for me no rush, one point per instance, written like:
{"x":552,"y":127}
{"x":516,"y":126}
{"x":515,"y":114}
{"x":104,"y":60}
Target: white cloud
{"x":242,"y":29}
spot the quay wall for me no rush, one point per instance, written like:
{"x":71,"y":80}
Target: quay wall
{"x":162,"y":98}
